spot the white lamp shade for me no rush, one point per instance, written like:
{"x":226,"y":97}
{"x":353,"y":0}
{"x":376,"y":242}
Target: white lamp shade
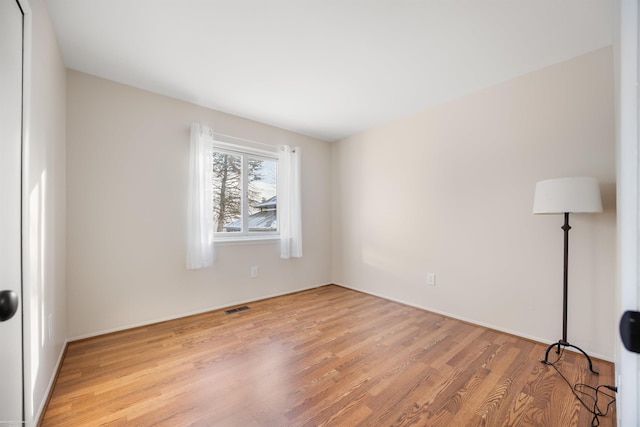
{"x":562,"y":195}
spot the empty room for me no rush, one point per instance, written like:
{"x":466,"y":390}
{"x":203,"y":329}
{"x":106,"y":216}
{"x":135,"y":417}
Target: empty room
{"x":319,"y":213}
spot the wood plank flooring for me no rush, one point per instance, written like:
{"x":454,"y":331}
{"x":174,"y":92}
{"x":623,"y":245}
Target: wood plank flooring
{"x":324,"y":357}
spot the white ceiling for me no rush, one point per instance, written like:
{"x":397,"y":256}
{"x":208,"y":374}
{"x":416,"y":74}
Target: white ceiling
{"x":324,"y":68}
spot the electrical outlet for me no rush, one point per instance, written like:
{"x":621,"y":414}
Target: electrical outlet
{"x":253,"y":272}
{"x":431,"y":279}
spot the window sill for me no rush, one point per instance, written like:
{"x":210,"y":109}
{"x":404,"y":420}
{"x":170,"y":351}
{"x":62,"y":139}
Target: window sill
{"x":245,"y":240}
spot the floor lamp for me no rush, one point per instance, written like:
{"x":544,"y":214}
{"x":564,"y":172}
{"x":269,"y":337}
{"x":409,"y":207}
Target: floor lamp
{"x":565,"y":196}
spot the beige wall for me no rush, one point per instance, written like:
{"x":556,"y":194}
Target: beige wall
{"x":127,"y":164}
{"x":43,"y":209}
{"x":450,"y":190}
{"x":447,"y":191}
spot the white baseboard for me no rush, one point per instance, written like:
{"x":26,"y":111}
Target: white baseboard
{"x":192,"y":313}
{"x":52,"y":383}
{"x":472,"y":321}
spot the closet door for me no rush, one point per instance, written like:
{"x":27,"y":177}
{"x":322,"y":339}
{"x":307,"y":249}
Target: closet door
{"x":11,"y":65}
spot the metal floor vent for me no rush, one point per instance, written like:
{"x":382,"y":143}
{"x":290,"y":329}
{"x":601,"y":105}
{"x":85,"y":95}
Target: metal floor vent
{"x":237,"y":309}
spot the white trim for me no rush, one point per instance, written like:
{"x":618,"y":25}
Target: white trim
{"x":27,"y":53}
{"x":192,"y":313}
{"x":221,"y":239}
{"x":243,"y":149}
{"x":471,"y":321}
{"x":250,"y":141}
{"x":628,"y":209}
{"x":52,"y":383}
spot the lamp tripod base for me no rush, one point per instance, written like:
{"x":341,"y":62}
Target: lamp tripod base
{"x":566,"y":344}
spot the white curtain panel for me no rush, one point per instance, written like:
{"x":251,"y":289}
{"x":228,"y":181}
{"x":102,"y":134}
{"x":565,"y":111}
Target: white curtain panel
{"x":200,"y":221}
{"x":289,"y":202}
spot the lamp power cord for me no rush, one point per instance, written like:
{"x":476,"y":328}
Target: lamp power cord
{"x":589,"y":397}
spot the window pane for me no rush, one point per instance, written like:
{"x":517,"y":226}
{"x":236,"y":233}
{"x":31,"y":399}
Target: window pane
{"x":262,"y":201}
{"x":227,"y":191}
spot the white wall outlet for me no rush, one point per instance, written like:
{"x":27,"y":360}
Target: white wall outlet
{"x":431,"y":279}
{"x":253,"y":272}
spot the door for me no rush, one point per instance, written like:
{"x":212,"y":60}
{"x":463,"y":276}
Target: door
{"x":628,"y":198}
{"x":11,"y":372}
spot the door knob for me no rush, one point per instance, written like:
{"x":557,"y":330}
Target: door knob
{"x":630,"y":330}
{"x":8,"y":305}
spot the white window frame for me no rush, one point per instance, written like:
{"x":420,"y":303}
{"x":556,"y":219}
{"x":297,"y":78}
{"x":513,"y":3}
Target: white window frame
{"x":246,"y":235}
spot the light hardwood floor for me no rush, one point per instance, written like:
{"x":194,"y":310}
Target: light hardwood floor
{"x":328,"y":356}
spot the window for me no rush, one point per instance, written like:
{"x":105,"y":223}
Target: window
{"x":241,"y":193}
{"x":244,"y":193}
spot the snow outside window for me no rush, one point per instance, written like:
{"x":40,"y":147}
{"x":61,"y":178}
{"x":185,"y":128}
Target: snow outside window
{"x":245,"y":201}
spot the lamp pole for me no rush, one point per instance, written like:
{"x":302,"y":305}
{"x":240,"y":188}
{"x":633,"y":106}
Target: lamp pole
{"x":565,"y":276}
{"x":565,"y":291}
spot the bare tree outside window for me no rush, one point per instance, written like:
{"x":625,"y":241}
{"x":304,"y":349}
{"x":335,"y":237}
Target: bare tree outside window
{"x":228,"y":185}
{"x":227,"y":188}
